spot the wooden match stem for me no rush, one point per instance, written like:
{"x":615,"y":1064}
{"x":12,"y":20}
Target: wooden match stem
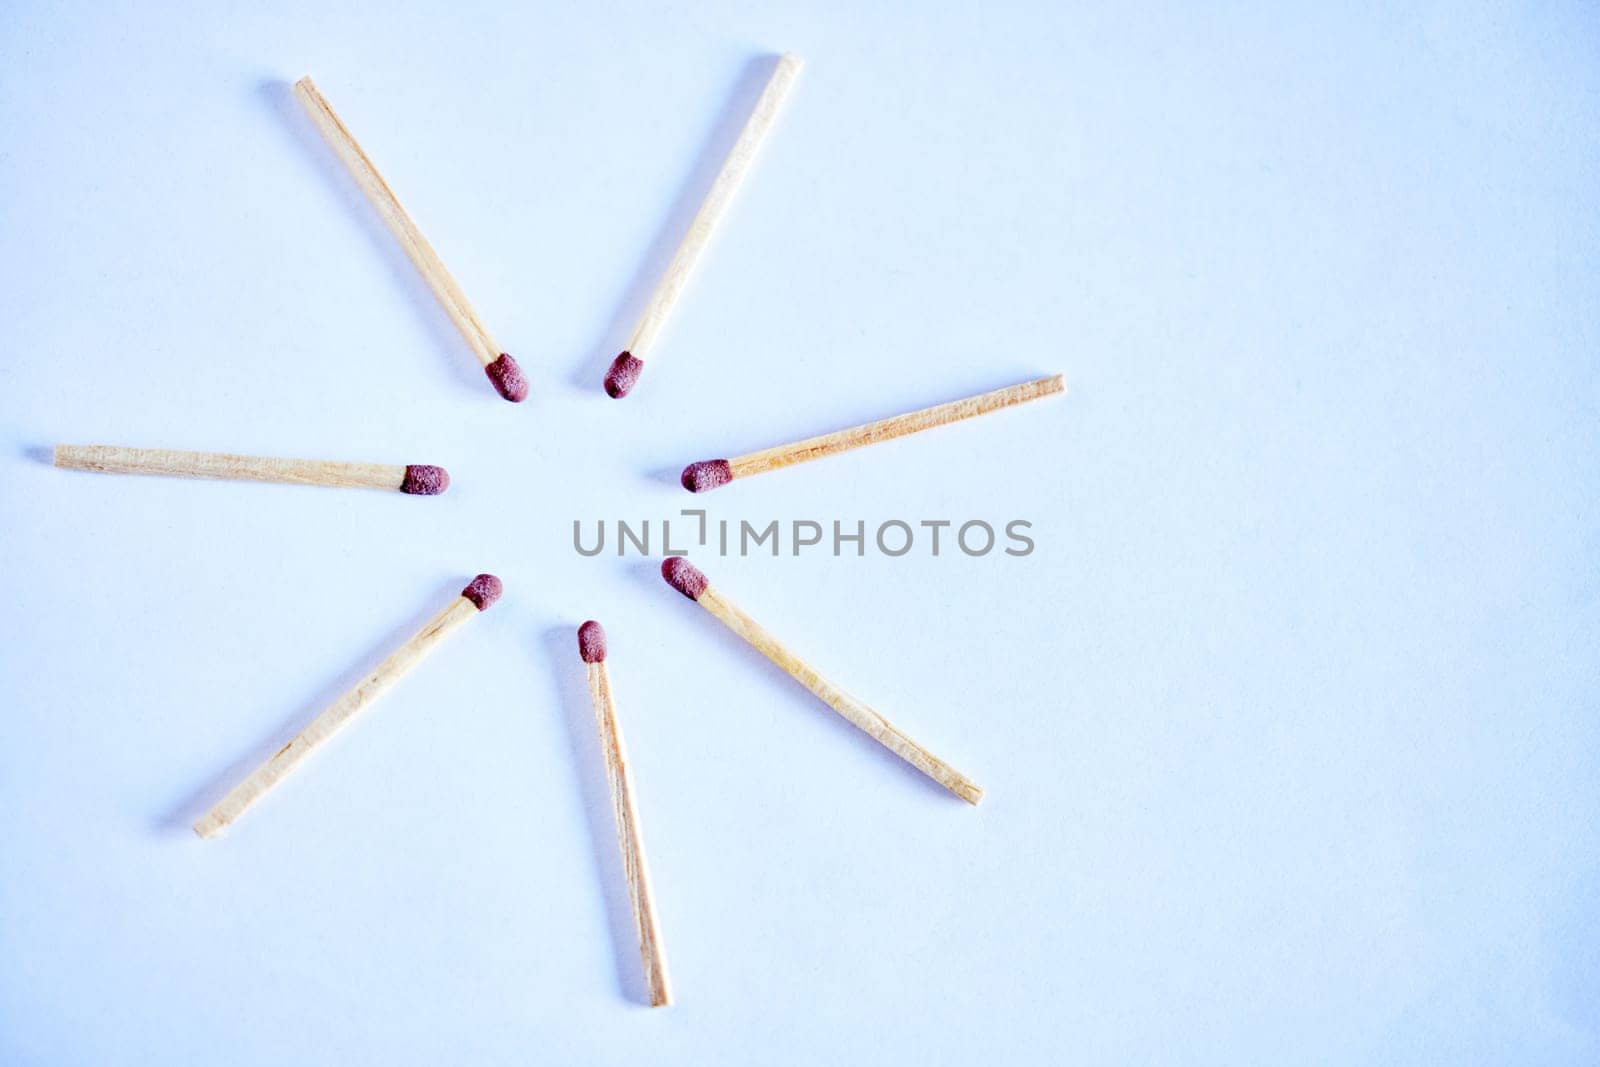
{"x":860,"y":715}
{"x":640,"y":894}
{"x":715,"y":205}
{"x":888,"y":429}
{"x":112,"y":459}
{"x":416,"y":246}
{"x":328,"y":722}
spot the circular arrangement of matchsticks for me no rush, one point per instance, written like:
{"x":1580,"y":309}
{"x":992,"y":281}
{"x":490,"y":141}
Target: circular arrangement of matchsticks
{"x":482,"y":591}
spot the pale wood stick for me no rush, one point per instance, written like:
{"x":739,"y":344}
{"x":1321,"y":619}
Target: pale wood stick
{"x":420,"y":479}
{"x":640,"y":894}
{"x":860,"y":715}
{"x":692,"y":583}
{"x":710,"y":473}
{"x":715,"y":204}
{"x":405,"y":231}
{"x":478,"y":596}
{"x":416,"y":246}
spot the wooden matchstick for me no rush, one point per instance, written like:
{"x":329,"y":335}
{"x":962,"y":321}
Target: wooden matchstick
{"x":628,"y":365}
{"x":478,"y":596}
{"x":418,"y":479}
{"x":688,"y":579}
{"x":498,"y":365}
{"x":592,"y":648}
{"x":710,"y":473}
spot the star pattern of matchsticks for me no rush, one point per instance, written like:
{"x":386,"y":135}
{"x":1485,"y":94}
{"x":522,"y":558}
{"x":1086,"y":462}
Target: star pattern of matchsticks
{"x":482,"y":591}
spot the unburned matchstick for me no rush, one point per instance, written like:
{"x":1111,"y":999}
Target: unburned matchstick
{"x":710,"y":473}
{"x":499,"y":366}
{"x":687,"y":579}
{"x":592,"y":649}
{"x":418,"y":479}
{"x":625,"y":369}
{"x":479,"y":594}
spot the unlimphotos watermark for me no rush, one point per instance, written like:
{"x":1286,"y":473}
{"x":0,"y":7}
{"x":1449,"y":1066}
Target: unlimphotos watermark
{"x":891,"y":537}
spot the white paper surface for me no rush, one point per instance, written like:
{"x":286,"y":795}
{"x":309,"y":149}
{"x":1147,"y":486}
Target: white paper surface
{"x":1287,"y":724}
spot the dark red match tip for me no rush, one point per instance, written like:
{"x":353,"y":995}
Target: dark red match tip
{"x":507,"y":378}
{"x":592,"y":642}
{"x":424,"y":479}
{"x":684,"y":576}
{"x":483,"y":591}
{"x":623,"y":373}
{"x":707,"y":474}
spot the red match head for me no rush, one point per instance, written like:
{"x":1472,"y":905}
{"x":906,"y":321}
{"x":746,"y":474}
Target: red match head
{"x":684,"y":576}
{"x":706,"y":474}
{"x":483,"y":591}
{"x":424,"y":479}
{"x":623,"y":373}
{"x":507,"y":378}
{"x":592,"y":642}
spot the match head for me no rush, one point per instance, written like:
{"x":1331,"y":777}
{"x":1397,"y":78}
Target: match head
{"x":625,"y":370}
{"x":424,"y":479}
{"x":592,"y":642}
{"x":507,"y":378}
{"x":706,"y":474}
{"x":684,"y":576}
{"x":483,"y":591}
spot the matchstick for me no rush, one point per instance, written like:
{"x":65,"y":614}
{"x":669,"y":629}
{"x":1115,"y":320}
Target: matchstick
{"x":625,"y":369}
{"x":592,"y":648}
{"x":418,"y":479}
{"x":688,"y":579}
{"x":478,"y":596}
{"x":499,"y":366}
{"x":710,"y":473}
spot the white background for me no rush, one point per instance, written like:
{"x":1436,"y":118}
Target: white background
{"x":1288,"y":726}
